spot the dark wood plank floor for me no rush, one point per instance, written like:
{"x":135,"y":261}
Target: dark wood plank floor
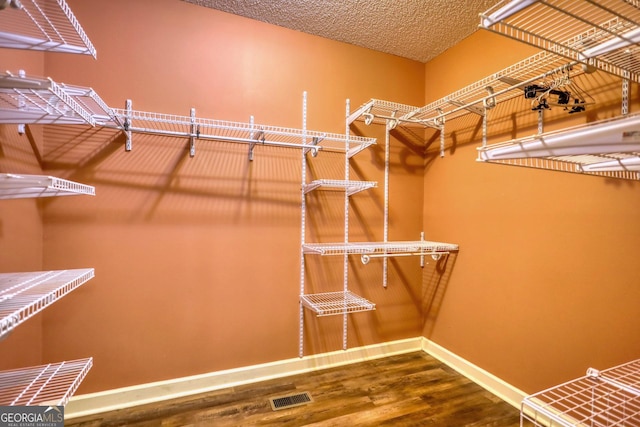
{"x":412,"y":389}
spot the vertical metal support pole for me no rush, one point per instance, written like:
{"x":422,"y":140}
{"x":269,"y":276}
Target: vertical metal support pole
{"x":303,"y":222}
{"x":192,"y":138}
{"x":422,"y":255}
{"x":625,"y":93}
{"x":128,"y":145}
{"x":385,"y":261}
{"x":540,"y":121}
{"x":442,"y":141}
{"x":345,"y":265}
{"x":253,"y":144}
{"x":484,"y":127}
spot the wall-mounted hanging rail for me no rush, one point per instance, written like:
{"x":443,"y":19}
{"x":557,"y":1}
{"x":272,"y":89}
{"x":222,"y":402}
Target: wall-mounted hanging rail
{"x":25,"y":99}
{"x":252,"y":134}
{"x":23,"y":295}
{"x":52,"y":384}
{"x":46,"y":25}
{"x":14,"y":186}
{"x":600,"y":398}
{"x":418,"y":247}
{"x":609,"y":147}
{"x":603,"y":34}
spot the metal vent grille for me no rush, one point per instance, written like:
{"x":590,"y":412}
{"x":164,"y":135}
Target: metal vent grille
{"x":289,"y":401}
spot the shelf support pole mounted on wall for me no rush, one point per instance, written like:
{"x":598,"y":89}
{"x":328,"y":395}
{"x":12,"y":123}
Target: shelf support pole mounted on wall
{"x":345,"y":261}
{"x":127,"y":125}
{"x":390,"y":125}
{"x":303,"y":222}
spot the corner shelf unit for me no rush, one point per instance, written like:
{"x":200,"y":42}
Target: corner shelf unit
{"x":44,"y":25}
{"x":575,"y":37}
{"x":51,"y":384}
{"x":15,"y":186}
{"x":601,"y":398}
{"x":602,"y":35}
{"x":23,"y":295}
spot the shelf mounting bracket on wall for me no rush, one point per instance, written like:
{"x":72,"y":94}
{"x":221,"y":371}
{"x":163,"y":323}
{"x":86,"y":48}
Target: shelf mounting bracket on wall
{"x":195,"y":133}
{"x":127,"y":126}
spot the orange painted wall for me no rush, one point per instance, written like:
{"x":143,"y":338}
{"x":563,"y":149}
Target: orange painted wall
{"x":197,"y":260}
{"x":545,"y":282}
{"x":20,"y":223}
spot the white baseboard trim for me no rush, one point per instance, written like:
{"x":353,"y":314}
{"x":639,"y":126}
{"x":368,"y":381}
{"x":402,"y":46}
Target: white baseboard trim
{"x":490,"y":382}
{"x":120,"y":398}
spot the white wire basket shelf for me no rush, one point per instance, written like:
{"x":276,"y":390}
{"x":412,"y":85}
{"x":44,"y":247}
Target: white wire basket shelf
{"x":23,"y":295}
{"x":607,"y":147}
{"x":335,"y":303}
{"x":601,"y":398}
{"x":239,"y":132}
{"x":15,"y":186}
{"x":350,"y":187}
{"x":52,"y":384}
{"x":603,"y":34}
{"x":45,"y":25}
{"x":420,"y":247}
{"x":25,"y":99}
{"x":379,"y":111}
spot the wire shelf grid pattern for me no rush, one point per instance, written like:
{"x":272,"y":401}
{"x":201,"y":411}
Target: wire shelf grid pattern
{"x":45,"y":25}
{"x":221,"y":130}
{"x":23,"y":295}
{"x":351,"y":187}
{"x":334,"y":303}
{"x":608,"y":30}
{"x":418,"y":247}
{"x":14,"y":186}
{"x":567,"y":150}
{"x":599,"y":399}
{"x":37,"y":100}
{"x":51,"y":384}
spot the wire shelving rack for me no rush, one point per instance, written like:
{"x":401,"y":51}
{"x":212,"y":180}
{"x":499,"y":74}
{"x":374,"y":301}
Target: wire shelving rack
{"x":44,"y":25}
{"x":14,"y":186}
{"x":23,"y":295}
{"x":51,"y":384}
{"x":600,"y":398}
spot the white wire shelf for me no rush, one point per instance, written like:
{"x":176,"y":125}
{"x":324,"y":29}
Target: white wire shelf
{"x":334,"y":303}
{"x":607,"y":147}
{"x":23,"y":295}
{"x":25,"y":99}
{"x":45,"y":25}
{"x":501,"y":86}
{"x":350,"y":187}
{"x":14,"y":186}
{"x":239,"y":132}
{"x":420,"y":247}
{"x":51,"y":384}
{"x":603,"y":33}
{"x":601,"y":398}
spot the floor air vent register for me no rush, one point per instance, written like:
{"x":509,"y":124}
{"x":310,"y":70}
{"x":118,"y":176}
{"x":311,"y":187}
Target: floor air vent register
{"x":290,"y":400}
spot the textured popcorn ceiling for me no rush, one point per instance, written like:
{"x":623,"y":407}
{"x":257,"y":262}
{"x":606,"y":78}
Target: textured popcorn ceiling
{"x":414,"y":29}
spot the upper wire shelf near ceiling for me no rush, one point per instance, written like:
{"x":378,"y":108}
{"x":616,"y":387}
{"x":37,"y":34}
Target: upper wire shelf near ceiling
{"x":52,"y":384}
{"x":23,"y":295}
{"x":25,"y":99}
{"x":44,"y":25}
{"x":15,"y":186}
{"x":603,"y":34}
{"x":487,"y":92}
{"x":239,"y":132}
